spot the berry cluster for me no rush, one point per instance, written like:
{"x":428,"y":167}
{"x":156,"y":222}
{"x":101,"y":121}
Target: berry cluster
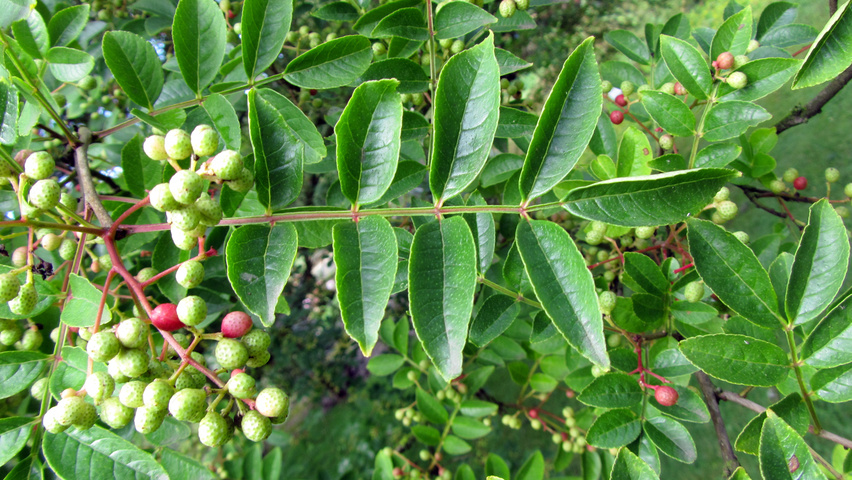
{"x":509,"y":7}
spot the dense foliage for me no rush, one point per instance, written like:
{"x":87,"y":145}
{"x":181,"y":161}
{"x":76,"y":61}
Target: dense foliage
{"x":178,"y":176}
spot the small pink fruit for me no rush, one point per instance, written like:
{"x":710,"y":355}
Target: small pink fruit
{"x":666,"y":396}
{"x":165,"y":317}
{"x":236,"y":324}
{"x":616,"y":117}
{"x":800,"y":183}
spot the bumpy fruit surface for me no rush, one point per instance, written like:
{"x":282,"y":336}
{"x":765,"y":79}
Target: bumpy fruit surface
{"x":192,"y":310}
{"x":832,"y":175}
{"x":157,"y":394}
{"x":245,"y":181}
{"x":178,"y":144}
{"x":666,"y":142}
{"x":9,"y":287}
{"x":272,"y":402}
{"x":131,"y":394}
{"x":522,"y":4}
{"x":645,"y":232}
{"x":133,"y":362}
{"x":45,"y":194}
{"x":256,"y":342}
{"x":666,"y":396}
{"x":742,"y":236}
{"x":103,"y":346}
{"x":694,"y":292}
{"x":737,"y":80}
{"x":155,"y":147}
{"x":146,"y":274}
{"x":627,"y":88}
{"x":727,"y":210}
{"x":26,"y":300}
{"x":70,"y":410}
{"x":241,"y":385}
{"x":115,"y":414}
{"x":132,"y":333}
{"x":186,"y":187}
{"x":227,"y":165}
{"x":51,"y":424}
{"x":165,"y":317}
{"x":231,"y":354}
{"x":722,"y":195}
{"x":606,"y":86}
{"x":256,"y":427}
{"x":39,"y":165}
{"x":188,"y":404}
{"x":99,"y":386}
{"x":236,"y":324}
{"x":204,"y":140}
{"x":800,"y":183}
{"x":616,"y":117}
{"x":190,"y":274}
{"x":790,"y":174}
{"x":162,"y":199}
{"x":777,"y":186}
{"x":185,"y":218}
{"x":213,"y":430}
{"x":606,"y":300}
{"x":752,"y":46}
{"x":88,"y":415}
{"x":148,"y":419}
{"x":507,"y":8}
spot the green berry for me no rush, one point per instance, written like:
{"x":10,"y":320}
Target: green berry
{"x":19,"y":257}
{"x":87,"y":83}
{"x":131,"y":394}
{"x":722,"y":195}
{"x":644,"y":232}
{"x":694,"y":292}
{"x":133,"y":362}
{"x":507,"y":8}
{"x":51,"y":242}
{"x":627,"y":87}
{"x":742,"y":236}
{"x":192,"y":310}
{"x":210,"y":210}
{"x":99,"y":386}
{"x":10,"y":335}
{"x":26,"y":300}
{"x":790,"y":175}
{"x":666,"y":142}
{"x":740,"y":60}
{"x":727,"y":210}
{"x":522,"y":4}
{"x":67,"y":249}
{"x":446,"y":43}
{"x":379,"y":48}
{"x":752,"y":46}
{"x":178,"y":144}
{"x":737,"y":80}
{"x":257,"y":361}
{"x":51,"y":424}
{"x":114,"y":413}
{"x":832,"y":175}
{"x":594,"y":237}
{"x":39,"y":165}
{"x":606,"y":86}
{"x":256,"y":342}
{"x":668,"y":87}
{"x":9,"y":287}
{"x":162,"y":199}
{"x":186,"y":187}
{"x":777,"y":186}
{"x":155,"y":147}
{"x":39,"y":388}
{"x":114,"y":370}
{"x":255,"y":426}
{"x":606,"y":300}
{"x":31,"y":340}
{"x":188,"y":404}
{"x":242,"y":385}
{"x":597,"y":226}
{"x":204,"y":140}
{"x":87,"y":416}
{"x":847,"y":190}
{"x":457,"y":46}
{"x":146,"y":274}
{"x":157,"y":394}
{"x":231,"y":354}
{"x":190,"y":378}
{"x":227,"y":165}
{"x":190,"y":274}
{"x":132,"y":333}
{"x":317,"y":103}
{"x":272,"y":402}
{"x":183,"y":240}
{"x":148,"y":419}
{"x":45,"y":194}
{"x":70,"y":410}
{"x":213,"y":430}
{"x":103,"y":346}
{"x":185,"y":218}
{"x":105,"y":262}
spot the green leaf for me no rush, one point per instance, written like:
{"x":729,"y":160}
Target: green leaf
{"x":67,"y":24}
{"x":737,"y":359}
{"x":513,"y":123}
{"x":687,"y":65}
{"x":412,"y":78}
{"x":454,"y":445}
{"x":833,"y":385}
{"x":781,"y":448}
{"x":18,"y":370}
{"x":494,"y":317}
{"x":414,"y":124}
{"x":369,"y":20}
{"x":618,"y":72}
{"x":652,"y":200}
{"x":509,"y":62}
{"x":464,"y":472}
{"x":409,"y":174}
{"x":302,"y":127}
{"x":171,"y":431}
{"x":831,"y":53}
{"x":457,"y":19}
{"x":819,"y":266}
{"x":671,"y":437}
{"x":630,"y":467}
{"x":791,"y":408}
{"x":265,"y":25}
{"x":733,"y":272}
{"x":332,"y":64}
{"x":483,"y":230}
{"x":259,"y":259}
{"x":368,"y":141}
{"x":634,"y":153}
{"x":613,"y":390}
{"x":31,"y":34}
{"x":566,"y":124}
{"x":717,"y":155}
{"x":734,"y":35}
{"x":613,"y":429}
{"x":442,"y":281}
{"x":788,"y":36}
{"x":731,"y":119}
{"x":477,"y":408}
{"x":776,"y":14}
{"x":337,"y":12}
{"x":224,"y":118}
{"x":541,"y":382}
{"x":665,"y":356}
{"x":181,"y":466}
{"x":165,"y":256}
{"x":82,"y":309}
{"x":670,"y":112}
{"x":469,"y":428}
{"x":278,"y":153}
{"x":68,"y":64}
{"x":765,"y":75}
{"x":131,"y":165}
{"x":532,"y":469}
{"x":465,"y":119}
{"x":629,"y":44}
{"x":563,"y":285}
{"x":426,"y":435}
{"x":646,"y":273}
{"x":386,"y":364}
{"x":431,"y":408}
{"x":494,"y":465}
{"x":407,"y":23}
{"x":87,"y":454}
{"x":366,"y":260}
{"x":591,"y":465}
{"x":14,"y":433}
{"x":830,"y":343}
{"x":198,"y":32}
{"x":135,"y":66}
{"x":8,"y":113}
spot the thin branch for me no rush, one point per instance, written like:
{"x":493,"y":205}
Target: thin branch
{"x":801,"y":115}
{"x":753,"y":198}
{"x":832,"y":7}
{"x":709,"y":391}
{"x":87,"y":186}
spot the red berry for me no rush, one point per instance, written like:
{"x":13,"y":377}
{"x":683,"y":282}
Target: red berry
{"x":725,"y":60}
{"x":621,"y":101}
{"x":231,"y":14}
{"x":666,"y":396}
{"x":533,"y":413}
{"x":800,"y":183}
{"x":679,"y":90}
{"x":165,"y":317}
{"x":564,"y":437}
{"x":236,"y":324}
{"x":313,"y":91}
{"x":617,"y":116}
{"x":570,"y":393}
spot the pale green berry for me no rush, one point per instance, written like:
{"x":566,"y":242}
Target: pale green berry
{"x":645,"y":232}
{"x":606,"y":300}
{"x":103,"y":346}
{"x":790,"y":175}
{"x":847,"y":190}
{"x":256,"y":342}
{"x":31,"y":340}
{"x":740,"y":60}
{"x":522,"y":4}
{"x":227,"y":165}
{"x":19,"y":256}
{"x":727,"y":210}
{"x":51,"y":424}
{"x":192,"y":310}
{"x":446,"y":43}
{"x":146,"y":274}
{"x":190,"y":378}
{"x":231,"y":354}
{"x":255,"y":426}
{"x":114,"y":370}
{"x":742,"y":236}
{"x":148,"y":419}
{"x":9,"y":287}
{"x":99,"y":386}
{"x":627,"y":87}
{"x":190,"y":274}
{"x":183,"y":240}
{"x":379,"y":48}
{"x":157,"y":394}
{"x":832,"y":175}
{"x":243,"y":183}
{"x":178,"y":144}
{"x":694,"y":292}
{"x":209,"y":209}
{"x":204,"y":140}
{"x":777,"y":186}
{"x":87,"y":416}
{"x":213,"y":430}
{"x":272,"y":402}
{"x":68,"y":201}
{"x":242,"y":385}
{"x":457,"y":46}
{"x":594,"y":237}
{"x":131,"y":394}
{"x":132,"y":333}
{"x":155,"y":147}
{"x":162,"y":199}
{"x":26,"y":300}
{"x":597,"y":226}
{"x":70,"y":410}
{"x":114,"y":413}
{"x":133,"y":362}
{"x":259,"y":360}
{"x":737,"y":80}
{"x":668,"y":87}
{"x":186,"y":186}
{"x":606,"y":86}
{"x":39,"y":388}
{"x":51,"y":242}
{"x":722,"y":195}
{"x":67,"y":249}
{"x":105,"y":262}
{"x":188,"y":404}
{"x":39,"y":165}
{"x":10,"y":335}
{"x":45,"y":194}
{"x":598,"y":371}
{"x":752,"y":46}
{"x":185,"y":218}
{"x":666,"y":142}
{"x":507,"y":8}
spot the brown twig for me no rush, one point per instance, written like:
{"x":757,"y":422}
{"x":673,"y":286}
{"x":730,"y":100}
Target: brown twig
{"x":832,"y":7}
{"x":87,"y":186}
{"x":801,"y":115}
{"x":709,"y":391}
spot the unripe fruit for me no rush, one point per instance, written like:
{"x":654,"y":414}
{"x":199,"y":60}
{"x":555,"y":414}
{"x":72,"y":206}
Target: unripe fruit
{"x":379,"y":48}
{"x":256,"y":342}
{"x":192,"y":310}
{"x":51,"y":242}
{"x":105,"y":262}
{"x":51,"y":424}
{"x":31,"y":340}
{"x":727,"y":210}
{"x":204,"y":140}
{"x":188,"y":404}
{"x":742,"y":237}
{"x":522,"y":4}
{"x":99,"y":386}
{"x":185,"y":218}
{"x":666,"y":396}
{"x":88,"y":415}
{"x":183,"y":240}
{"x":155,"y":147}
{"x":256,"y":427}
{"x":606,"y":86}
{"x":800,"y":183}
{"x":103,"y":346}
{"x":777,"y":186}
{"x":847,"y":190}
{"x":832,"y":175}
{"x":616,"y":117}
{"x":725,"y":60}
{"x":210,"y":210}
{"x":644,"y":232}
{"x":242,"y":385}
{"x":26,"y":300}
{"x":722,"y":195}
{"x":259,"y":360}
{"x":19,"y":257}
{"x":227,"y":165}
{"x":190,"y":378}
{"x":236,"y":324}
{"x":132,"y":333}
{"x":606,"y":300}
{"x":39,"y":388}
{"x":457,"y":46}
{"x":737,"y":80}
{"x":272,"y":402}
{"x":10,"y":335}
{"x":69,"y":410}
{"x":162,"y":199}
{"x":231,"y":354}
{"x":165,"y":317}
{"x":9,"y":287}
{"x":694,"y":292}
{"x":186,"y":187}
{"x":621,"y":101}
{"x":45,"y":194}
{"x":594,"y":237}
{"x":507,"y":8}
{"x":627,"y":88}
{"x":790,"y":175}
{"x":148,"y":419}
{"x":668,"y":87}
{"x":157,"y":394}
{"x":190,"y":274}
{"x":39,"y":165}
{"x":666,"y":142}
{"x":213,"y":430}
{"x":131,"y":394}
{"x":132,"y":363}
{"x":146,"y":274}
{"x":87,"y":83}
{"x":178,"y":144}
{"x":740,"y":60}
{"x":752,"y":46}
